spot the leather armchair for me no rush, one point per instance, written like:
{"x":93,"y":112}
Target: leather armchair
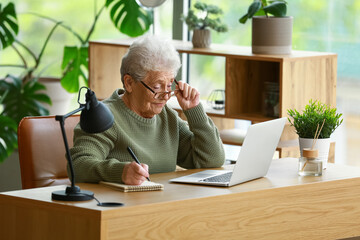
{"x":42,"y":151}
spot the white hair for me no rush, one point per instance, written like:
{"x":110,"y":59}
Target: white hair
{"x":149,"y":53}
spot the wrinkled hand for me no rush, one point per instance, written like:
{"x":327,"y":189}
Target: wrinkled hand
{"x":135,"y":174}
{"x":187,"y":96}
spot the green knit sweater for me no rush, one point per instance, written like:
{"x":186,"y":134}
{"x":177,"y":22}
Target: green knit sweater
{"x":161,"y":142}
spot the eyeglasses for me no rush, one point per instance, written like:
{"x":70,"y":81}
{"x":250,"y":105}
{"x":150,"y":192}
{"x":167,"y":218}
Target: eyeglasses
{"x":160,"y":95}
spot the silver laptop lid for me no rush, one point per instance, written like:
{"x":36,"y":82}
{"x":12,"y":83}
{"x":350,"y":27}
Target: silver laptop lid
{"x":257,"y":150}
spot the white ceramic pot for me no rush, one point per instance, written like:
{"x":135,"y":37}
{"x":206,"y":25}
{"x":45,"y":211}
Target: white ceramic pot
{"x":322,"y":145}
{"x":201,"y":38}
{"x":60,"y":98}
{"x":271,"y":35}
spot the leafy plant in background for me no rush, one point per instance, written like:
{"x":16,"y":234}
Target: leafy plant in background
{"x":206,"y":18}
{"x":315,"y":112}
{"x":8,"y":137}
{"x":128,"y":17}
{"x":132,"y":19}
{"x":20,"y":95}
{"x":264,"y":8}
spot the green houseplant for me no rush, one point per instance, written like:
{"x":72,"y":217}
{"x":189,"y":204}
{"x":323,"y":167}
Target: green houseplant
{"x":127,"y":16}
{"x":319,"y":118}
{"x":21,"y":95}
{"x":202,"y":18}
{"x":271,"y":28}
{"x":315,"y":112}
{"x":264,"y":8}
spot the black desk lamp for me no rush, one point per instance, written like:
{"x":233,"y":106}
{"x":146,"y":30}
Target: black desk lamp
{"x":95,"y":118}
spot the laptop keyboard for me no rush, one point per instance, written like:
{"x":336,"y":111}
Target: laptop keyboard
{"x":219,"y":178}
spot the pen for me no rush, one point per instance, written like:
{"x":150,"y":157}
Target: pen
{"x":135,"y":158}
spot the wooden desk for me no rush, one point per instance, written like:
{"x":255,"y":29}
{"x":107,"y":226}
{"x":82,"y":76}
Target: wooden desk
{"x":280,"y":206}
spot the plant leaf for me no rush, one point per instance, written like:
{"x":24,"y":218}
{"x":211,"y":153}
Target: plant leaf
{"x":8,"y":137}
{"x":313,"y":116}
{"x":129,"y":17}
{"x":23,"y":99}
{"x":253,"y":8}
{"x":75,"y":66}
{"x":277,"y":8}
{"x":9,"y":27}
{"x":244,"y":18}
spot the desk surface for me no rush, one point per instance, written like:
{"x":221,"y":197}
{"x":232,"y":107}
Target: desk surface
{"x":282,"y":198}
{"x":282,"y":173}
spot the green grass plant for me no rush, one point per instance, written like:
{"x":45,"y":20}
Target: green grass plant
{"x":315,"y":112}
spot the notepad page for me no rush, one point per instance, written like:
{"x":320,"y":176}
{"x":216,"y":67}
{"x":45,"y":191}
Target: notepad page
{"x":145,"y":186}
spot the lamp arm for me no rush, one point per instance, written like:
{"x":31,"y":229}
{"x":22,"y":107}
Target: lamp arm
{"x":61,"y":119}
{"x":82,"y":107}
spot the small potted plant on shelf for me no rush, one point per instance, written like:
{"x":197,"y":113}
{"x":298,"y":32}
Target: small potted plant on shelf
{"x":270,"y":34}
{"x":316,"y":118}
{"x":201,"y":21}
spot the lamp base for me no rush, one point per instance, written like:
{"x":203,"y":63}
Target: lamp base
{"x":72,"y":194}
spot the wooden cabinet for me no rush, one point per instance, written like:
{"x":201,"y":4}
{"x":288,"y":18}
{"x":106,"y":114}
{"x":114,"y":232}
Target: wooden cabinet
{"x":299,"y":77}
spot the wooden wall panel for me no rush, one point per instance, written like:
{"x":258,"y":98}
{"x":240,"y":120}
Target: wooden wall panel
{"x":308,"y":78}
{"x":104,"y":65}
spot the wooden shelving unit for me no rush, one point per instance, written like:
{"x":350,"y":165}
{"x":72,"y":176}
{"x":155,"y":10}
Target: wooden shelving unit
{"x":301,"y":76}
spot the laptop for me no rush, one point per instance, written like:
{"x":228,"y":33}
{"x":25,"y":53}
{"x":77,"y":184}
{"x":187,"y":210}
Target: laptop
{"x":253,"y":161}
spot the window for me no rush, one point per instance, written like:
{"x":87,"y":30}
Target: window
{"x":330,"y":26}
{"x":326,"y":26}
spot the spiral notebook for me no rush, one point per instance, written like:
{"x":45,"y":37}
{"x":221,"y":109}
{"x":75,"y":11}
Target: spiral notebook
{"x":145,"y":186}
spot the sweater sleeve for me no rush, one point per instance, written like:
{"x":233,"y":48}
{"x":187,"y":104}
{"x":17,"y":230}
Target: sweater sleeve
{"x":90,"y":157}
{"x":200,"y":145}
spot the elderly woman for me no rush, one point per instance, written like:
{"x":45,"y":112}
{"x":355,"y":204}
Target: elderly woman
{"x":158,"y":137}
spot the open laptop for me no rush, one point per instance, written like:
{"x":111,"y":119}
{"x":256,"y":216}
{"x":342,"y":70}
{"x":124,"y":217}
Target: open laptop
{"x":253,"y":161}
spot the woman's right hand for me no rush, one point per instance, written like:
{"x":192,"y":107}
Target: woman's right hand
{"x":188,"y":97}
{"x":135,"y":174}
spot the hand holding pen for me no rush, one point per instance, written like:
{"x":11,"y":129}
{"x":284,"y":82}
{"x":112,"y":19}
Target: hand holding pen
{"x":135,"y":173}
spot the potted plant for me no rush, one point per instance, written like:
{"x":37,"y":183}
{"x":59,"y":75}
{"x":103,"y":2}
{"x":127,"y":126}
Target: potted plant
{"x":128,"y":17}
{"x":22,"y":94}
{"x":316,"y":117}
{"x":201,"y":21}
{"x":270,"y":34}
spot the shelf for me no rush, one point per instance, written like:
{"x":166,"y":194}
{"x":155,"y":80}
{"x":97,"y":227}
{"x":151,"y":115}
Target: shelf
{"x":225,"y":50}
{"x":294,"y":79}
{"x":173,"y":103}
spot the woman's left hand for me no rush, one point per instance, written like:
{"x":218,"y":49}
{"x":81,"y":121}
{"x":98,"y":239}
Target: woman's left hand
{"x":187,"y":96}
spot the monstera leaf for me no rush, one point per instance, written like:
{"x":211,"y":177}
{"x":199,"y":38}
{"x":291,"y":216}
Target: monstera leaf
{"x":22,"y":99}
{"x":9,"y":27}
{"x":8,"y":137}
{"x":131,"y":19}
{"x":75,"y":67}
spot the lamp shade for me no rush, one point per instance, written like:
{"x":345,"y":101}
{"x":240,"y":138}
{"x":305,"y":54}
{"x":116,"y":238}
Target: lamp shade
{"x":96,"y":117}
